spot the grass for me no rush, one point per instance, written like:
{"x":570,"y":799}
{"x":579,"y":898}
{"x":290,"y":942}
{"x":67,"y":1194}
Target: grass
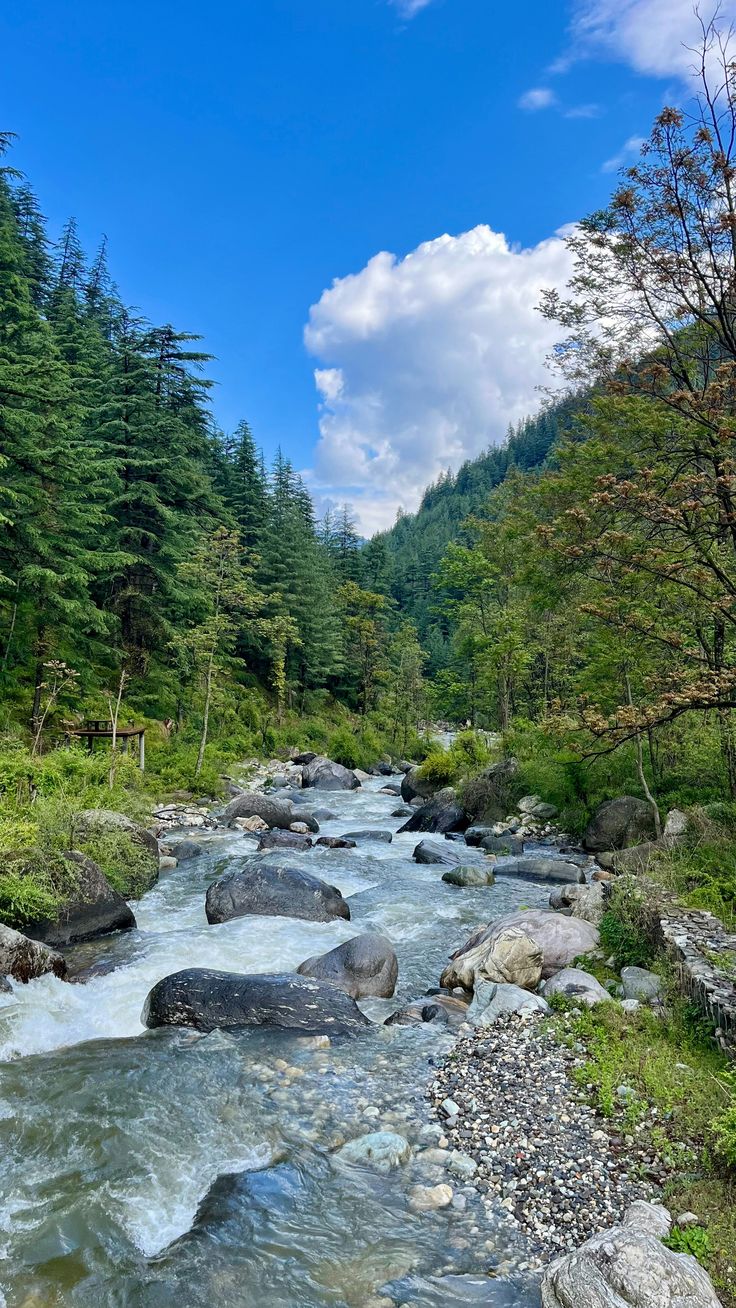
{"x":684,"y":1107}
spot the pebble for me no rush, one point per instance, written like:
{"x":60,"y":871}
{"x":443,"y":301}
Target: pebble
{"x":424,"y":1198}
{"x":540,"y":1153}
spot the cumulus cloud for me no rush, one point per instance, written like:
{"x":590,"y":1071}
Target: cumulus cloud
{"x":628,"y":151}
{"x":539,"y":97}
{"x":652,"y":36}
{"x":424,"y":362}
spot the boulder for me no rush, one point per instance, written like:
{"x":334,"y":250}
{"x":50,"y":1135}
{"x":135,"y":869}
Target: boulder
{"x":385,"y":837}
{"x":620,"y":823}
{"x":576,"y":984}
{"x":475,"y":835}
{"x":637,"y":858}
{"x":391,"y":788}
{"x":437,"y":1010}
{"x":627,"y":1266}
{"x":183,"y":850}
{"x":323,"y":814}
{"x":430,"y":851}
{"x":24,"y":959}
{"x":274,"y":811}
{"x":284,"y":840}
{"x":532,"y":868}
{"x":322,"y":774}
{"x":415,"y":786}
{"x":92,"y":908}
{"x":442,"y":813}
{"x":307,"y":756}
{"x":508,"y":957}
{"x":211,"y":1000}
{"x":364,"y":966}
{"x":93,"y":822}
{"x":534,"y":807}
{"x":382,"y":1151}
{"x":404,"y":810}
{"x":272,"y":890}
{"x":473,"y":875}
{"x":335,"y":842}
{"x":507,"y":844}
{"x":640,"y":984}
{"x":489,"y":796}
{"x":586,"y":902}
{"x":560,"y":939}
{"x":493,"y":1000}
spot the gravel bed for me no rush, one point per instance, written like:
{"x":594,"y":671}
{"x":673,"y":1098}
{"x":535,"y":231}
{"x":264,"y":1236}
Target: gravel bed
{"x":545,"y":1161}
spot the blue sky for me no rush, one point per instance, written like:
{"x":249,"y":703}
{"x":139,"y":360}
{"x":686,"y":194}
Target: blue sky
{"x":240,"y":157}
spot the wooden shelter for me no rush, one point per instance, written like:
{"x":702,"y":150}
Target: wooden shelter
{"x":100,"y":729}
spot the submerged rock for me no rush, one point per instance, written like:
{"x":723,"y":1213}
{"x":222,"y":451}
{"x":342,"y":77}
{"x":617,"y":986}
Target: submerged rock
{"x":627,"y":1266}
{"x":364,"y":966}
{"x":91,"y":908}
{"x":208,"y":1000}
{"x":272,"y":890}
{"x":183,"y":850}
{"x":382,"y":1151}
{"x":24,"y":959}
{"x":506,"y":844}
{"x":322,"y":774}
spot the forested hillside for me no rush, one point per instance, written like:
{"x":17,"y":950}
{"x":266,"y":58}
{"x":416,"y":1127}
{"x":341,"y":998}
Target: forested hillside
{"x":403,"y":561}
{"x":147,"y":559}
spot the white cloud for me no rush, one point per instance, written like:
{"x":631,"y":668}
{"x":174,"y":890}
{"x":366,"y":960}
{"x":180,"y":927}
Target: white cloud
{"x":427,"y":359}
{"x":583,"y":111}
{"x":539,"y":97}
{"x":651,"y":35}
{"x":408,"y":8}
{"x":628,"y":151}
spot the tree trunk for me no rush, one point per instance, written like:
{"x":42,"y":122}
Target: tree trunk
{"x":641,"y":773}
{"x":206,"y":715}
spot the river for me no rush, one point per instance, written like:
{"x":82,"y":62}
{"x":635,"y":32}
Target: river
{"x":148,"y":1169}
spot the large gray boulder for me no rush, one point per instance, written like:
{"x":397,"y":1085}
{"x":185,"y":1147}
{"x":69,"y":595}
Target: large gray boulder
{"x":370,"y":833}
{"x":211,"y":1000}
{"x":442,"y":813}
{"x":98,"y":822}
{"x":272,"y":890}
{"x":472,"y":876}
{"x":415,"y":786}
{"x":629,"y":1267}
{"x":560,"y":939}
{"x":620,"y":823}
{"x":574,"y":983}
{"x":364,"y":966}
{"x":322,"y":774}
{"x":532,"y":868}
{"x":92,"y":907}
{"x":506,"y":844}
{"x":534,"y":807}
{"x":493,"y":1000}
{"x":489,"y":796}
{"x":587,"y":902}
{"x":275,"y":812}
{"x":508,"y":957}
{"x":283,"y":840}
{"x":640,"y":984}
{"x":24,"y":959}
{"x":431,"y":851}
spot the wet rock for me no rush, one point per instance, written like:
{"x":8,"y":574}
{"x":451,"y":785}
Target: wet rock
{"x":323,"y":814}
{"x":619,"y":823}
{"x":576,"y":984}
{"x":335,"y":842}
{"x":92,"y":907}
{"x":560,"y":939}
{"x":640,"y":984}
{"x":442,"y":814}
{"x":492,"y":1001}
{"x":469,"y":876}
{"x":627,"y":1266}
{"x":509,"y":956}
{"x":505,"y":844}
{"x":274,"y":811}
{"x":403,"y":811}
{"x":322,"y":774}
{"x":430,"y":851}
{"x":364,"y":966}
{"x":437,"y":1010}
{"x":183,"y":850}
{"x":272,"y":890}
{"x":541,"y":869}
{"x":209,"y":1000}
{"x":586,"y":902}
{"x":385,"y":837}
{"x":391,"y":788}
{"x":284,"y":840}
{"x":474,"y":835}
{"x":414,"y":786}
{"x":24,"y":959}
{"x":382,"y":1151}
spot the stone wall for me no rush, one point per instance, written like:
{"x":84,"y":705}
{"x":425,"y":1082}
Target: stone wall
{"x":695,"y":941}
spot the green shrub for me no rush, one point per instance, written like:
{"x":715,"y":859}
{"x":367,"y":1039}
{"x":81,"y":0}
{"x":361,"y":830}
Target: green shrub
{"x":438,"y":767}
{"x":24,"y":899}
{"x":692,"y":1240}
{"x":624,"y":928}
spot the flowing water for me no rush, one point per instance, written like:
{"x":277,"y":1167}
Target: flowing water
{"x":141,"y":1169}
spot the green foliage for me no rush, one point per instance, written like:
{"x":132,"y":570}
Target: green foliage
{"x":724,"y":1127}
{"x":692,"y":1240}
{"x":468,"y":753}
{"x":25,"y":898}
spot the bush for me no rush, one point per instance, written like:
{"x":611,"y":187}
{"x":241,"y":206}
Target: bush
{"x":624,"y":928}
{"x":468,"y":753}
